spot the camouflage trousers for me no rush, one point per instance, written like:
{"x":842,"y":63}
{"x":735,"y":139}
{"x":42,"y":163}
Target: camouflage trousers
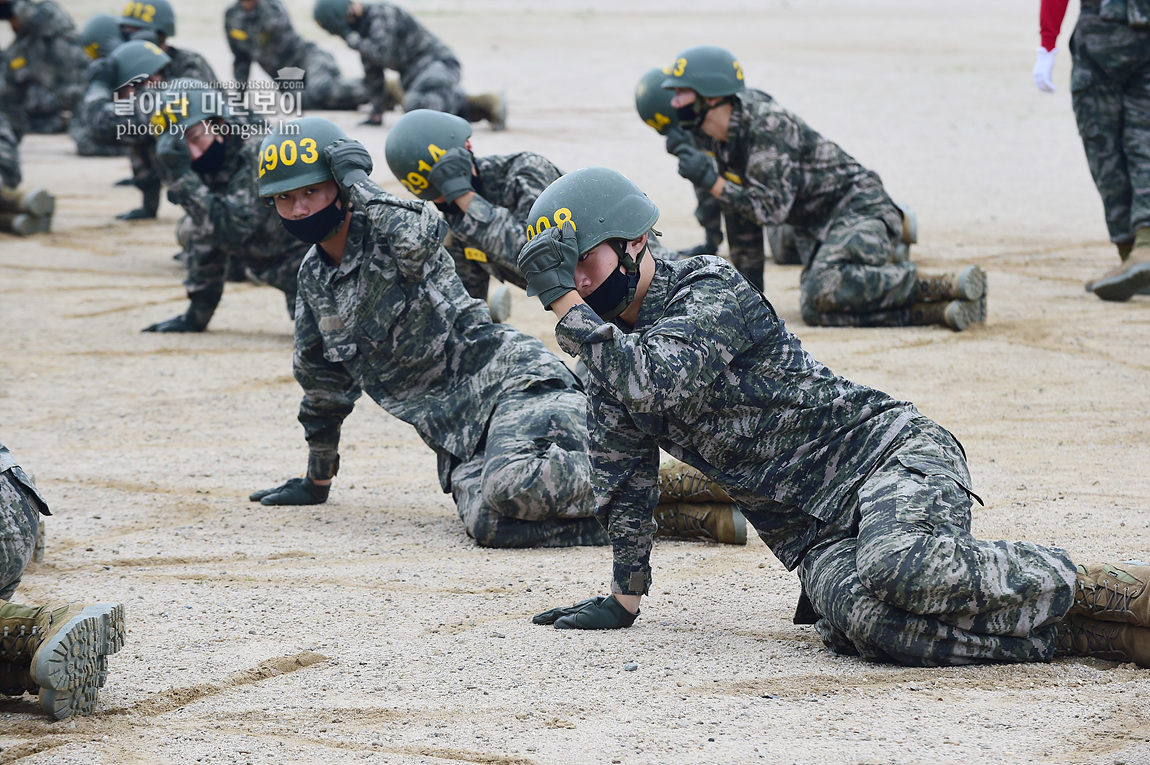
{"x":745,"y":239}
{"x":853,"y":280}
{"x":907,"y":583}
{"x":1110,"y":90}
{"x":87,"y":145}
{"x":326,"y":88}
{"x":435,"y":86}
{"x":529,"y":482}
{"x":19,"y":524}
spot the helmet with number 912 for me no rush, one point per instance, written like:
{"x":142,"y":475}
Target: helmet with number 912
{"x":417,"y":141}
{"x":291,"y":157}
{"x":156,"y":15}
{"x":100,"y":36}
{"x":709,"y":70}
{"x":138,"y":60}
{"x":653,"y":101}
{"x":332,"y":16}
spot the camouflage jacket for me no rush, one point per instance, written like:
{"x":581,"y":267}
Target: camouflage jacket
{"x":393,"y":320}
{"x":265,"y":36}
{"x":779,"y":170}
{"x":388,"y":37}
{"x":44,"y":66}
{"x":712,"y":376}
{"x":494,"y":229}
{"x":229,"y":217}
{"x":9,"y":155}
{"x":8,"y":465}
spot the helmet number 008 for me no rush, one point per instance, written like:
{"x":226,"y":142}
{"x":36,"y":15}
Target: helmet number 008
{"x":562,"y":215}
{"x":287,"y":154}
{"x":416,"y":183}
{"x":142,"y":11}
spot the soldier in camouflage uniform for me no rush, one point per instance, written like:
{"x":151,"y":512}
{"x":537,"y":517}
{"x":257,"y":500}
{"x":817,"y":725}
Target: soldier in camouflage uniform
{"x":9,"y":155}
{"x":484,"y":199}
{"x":261,"y":31}
{"x":43,"y":68}
{"x":209,"y":160}
{"x":773,"y":168}
{"x":56,"y":652}
{"x":1110,"y":89}
{"x":388,"y":37}
{"x":381,"y":310}
{"x":100,"y":36}
{"x":866,"y":497}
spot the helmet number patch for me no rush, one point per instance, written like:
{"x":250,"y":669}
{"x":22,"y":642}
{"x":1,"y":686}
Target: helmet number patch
{"x":680,"y":67}
{"x":738,"y":70}
{"x":142,"y":11}
{"x":417,"y":183}
{"x":287,"y":154}
{"x":562,"y":215}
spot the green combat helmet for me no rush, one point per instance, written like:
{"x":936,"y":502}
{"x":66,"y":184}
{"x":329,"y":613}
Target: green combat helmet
{"x":332,"y":16}
{"x":100,"y":36}
{"x":138,"y":60}
{"x":602,"y":205}
{"x":186,"y":101}
{"x":653,"y":101}
{"x":154,"y":15}
{"x":417,"y":141}
{"x":291,"y":156}
{"x":708,"y":70}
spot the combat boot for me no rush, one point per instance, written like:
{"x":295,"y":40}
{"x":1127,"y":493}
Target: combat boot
{"x":679,"y":482}
{"x":488,"y":106}
{"x":967,"y":284}
{"x":957,"y":314}
{"x":65,"y":647}
{"x":1113,"y":592}
{"x":16,"y":679}
{"x":1131,"y":276}
{"x":1082,"y":636}
{"x":33,"y":201}
{"x":702,"y":520}
{"x":499,"y":304}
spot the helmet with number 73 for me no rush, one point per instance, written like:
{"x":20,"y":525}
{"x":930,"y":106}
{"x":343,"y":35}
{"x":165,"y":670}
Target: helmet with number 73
{"x":417,"y":141}
{"x":653,"y":101}
{"x":156,"y":15}
{"x":291,"y":156}
{"x":709,"y":70}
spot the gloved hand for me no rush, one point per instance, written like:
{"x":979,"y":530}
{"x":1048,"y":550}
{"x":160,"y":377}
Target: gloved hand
{"x":1043,"y":69}
{"x":451,"y":174}
{"x":548,"y":263}
{"x":140,"y":213}
{"x":295,"y":491}
{"x":353,"y":39}
{"x":172,"y":156}
{"x":697,"y":166}
{"x":599,"y":614}
{"x":103,"y":71}
{"x":549,"y":617}
{"x":179,"y":323}
{"x":349,"y":161}
{"x":677,"y":137}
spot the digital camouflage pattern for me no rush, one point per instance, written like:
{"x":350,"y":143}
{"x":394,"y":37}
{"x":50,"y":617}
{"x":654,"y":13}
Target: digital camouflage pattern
{"x":710,"y":375}
{"x":779,"y":170}
{"x":388,"y":37}
{"x":20,"y":509}
{"x":393,"y":320}
{"x":43,"y":69}
{"x":9,"y":155}
{"x":1110,"y":90}
{"x":486,"y":240}
{"x":230,"y":221}
{"x":267,"y":37}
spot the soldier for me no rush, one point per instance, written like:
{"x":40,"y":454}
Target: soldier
{"x":773,"y":168}
{"x":381,"y":310}
{"x":868,"y":498}
{"x":388,"y":37}
{"x":261,"y":31}
{"x":209,"y":160}
{"x":57,"y":651}
{"x":43,"y":67}
{"x":100,"y":36}
{"x":1110,"y":90}
{"x":9,"y":155}
{"x":484,"y":199}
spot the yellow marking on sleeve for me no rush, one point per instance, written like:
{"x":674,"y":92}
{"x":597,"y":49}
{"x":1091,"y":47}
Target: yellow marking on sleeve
{"x":237,"y":34}
{"x":473,"y":254}
{"x":18,"y":63}
{"x":732,"y":177}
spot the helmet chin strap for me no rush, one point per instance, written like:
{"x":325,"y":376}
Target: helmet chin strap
{"x":630,"y":264}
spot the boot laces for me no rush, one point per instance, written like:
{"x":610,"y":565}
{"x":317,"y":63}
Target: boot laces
{"x":1106,"y":596}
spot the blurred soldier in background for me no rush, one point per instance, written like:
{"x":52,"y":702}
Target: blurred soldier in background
{"x":43,"y":68}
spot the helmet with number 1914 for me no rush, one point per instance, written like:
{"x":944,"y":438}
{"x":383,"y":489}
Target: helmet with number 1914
{"x":417,"y":141}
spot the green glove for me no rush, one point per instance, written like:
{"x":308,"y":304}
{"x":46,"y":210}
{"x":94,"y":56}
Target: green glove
{"x":295,"y":491}
{"x":202,"y":305}
{"x":172,"y":156}
{"x":451,"y":174}
{"x":677,"y":137}
{"x":175,"y":324}
{"x":350,"y":162}
{"x":606,"y":614}
{"x":549,"y":617}
{"x":697,"y":166}
{"x":548,"y":263}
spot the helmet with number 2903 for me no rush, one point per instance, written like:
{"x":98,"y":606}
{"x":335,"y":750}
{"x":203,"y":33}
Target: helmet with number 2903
{"x":291,"y":157}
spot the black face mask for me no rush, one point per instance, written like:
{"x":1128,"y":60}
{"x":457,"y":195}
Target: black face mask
{"x":212,"y":159}
{"x":688,"y":116}
{"x":317,"y":227}
{"x":610,"y":298}
{"x":5,"y":11}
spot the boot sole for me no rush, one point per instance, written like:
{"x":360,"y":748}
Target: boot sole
{"x":73,"y":658}
{"x":971,"y":283}
{"x":1121,"y":287}
{"x":500,"y":304}
{"x":960,"y":314}
{"x":74,"y":702}
{"x":740,"y":526}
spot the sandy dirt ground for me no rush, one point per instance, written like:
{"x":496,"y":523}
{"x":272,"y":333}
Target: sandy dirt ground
{"x":370,"y":629}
